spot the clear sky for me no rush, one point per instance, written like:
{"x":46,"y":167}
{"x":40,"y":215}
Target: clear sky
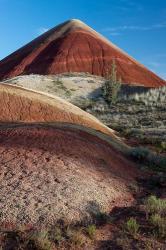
{"x":136,"y":26}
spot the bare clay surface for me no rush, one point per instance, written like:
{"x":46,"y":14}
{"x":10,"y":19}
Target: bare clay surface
{"x":50,"y":173}
{"x":21,"y":105}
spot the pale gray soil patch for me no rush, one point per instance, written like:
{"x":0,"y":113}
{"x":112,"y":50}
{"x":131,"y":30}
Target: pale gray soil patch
{"x":71,"y":87}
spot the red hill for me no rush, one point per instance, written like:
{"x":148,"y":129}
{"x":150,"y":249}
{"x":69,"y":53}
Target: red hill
{"x":75,"y":47}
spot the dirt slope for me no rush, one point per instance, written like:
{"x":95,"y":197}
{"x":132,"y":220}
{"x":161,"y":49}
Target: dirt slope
{"x":48,"y":173}
{"x":75,"y":47}
{"x":22,"y":105}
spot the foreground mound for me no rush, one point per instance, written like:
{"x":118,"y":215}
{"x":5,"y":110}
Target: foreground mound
{"x":75,"y":47}
{"x":48,"y":173}
{"x":22,"y":105}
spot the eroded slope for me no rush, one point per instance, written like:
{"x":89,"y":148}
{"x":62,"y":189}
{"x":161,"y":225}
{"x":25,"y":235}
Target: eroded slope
{"x":48,"y":173}
{"x":22,"y":105}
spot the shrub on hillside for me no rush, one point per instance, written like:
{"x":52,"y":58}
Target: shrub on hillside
{"x":132,"y":226}
{"x":160,"y":224}
{"x":153,"y":205}
{"x":150,"y":97}
{"x":112,"y":85}
{"x":40,"y":240}
{"x":91,"y":230}
{"x":139,"y":153}
{"x":152,"y":160}
{"x":155,"y":209}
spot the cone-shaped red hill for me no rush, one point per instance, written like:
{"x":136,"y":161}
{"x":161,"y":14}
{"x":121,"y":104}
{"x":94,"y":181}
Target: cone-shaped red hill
{"x":75,"y":47}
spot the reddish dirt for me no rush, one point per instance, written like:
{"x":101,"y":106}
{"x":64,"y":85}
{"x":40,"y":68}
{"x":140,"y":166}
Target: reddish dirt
{"x":75,"y":47}
{"x":50,"y":173}
{"x":22,"y":105}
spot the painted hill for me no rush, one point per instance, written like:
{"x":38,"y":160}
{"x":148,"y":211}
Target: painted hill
{"x":57,"y":161}
{"x":22,"y":105}
{"x":50,"y":173}
{"x":75,"y":47}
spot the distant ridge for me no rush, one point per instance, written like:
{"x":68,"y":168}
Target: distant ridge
{"x":75,"y":47}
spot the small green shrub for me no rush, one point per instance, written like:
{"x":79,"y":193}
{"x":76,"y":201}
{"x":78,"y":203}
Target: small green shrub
{"x":139,"y":153}
{"x":132,"y":226}
{"x":153,"y":205}
{"x":41,"y":240}
{"x":152,"y":160}
{"x":111,"y":86}
{"x":123,"y":242}
{"x":155,"y":219}
{"x":161,"y":147}
{"x":68,"y":93}
{"x":91,"y":231}
{"x":160,"y":224}
{"x":103,"y":218}
{"x":57,"y":235}
{"x":77,"y":239}
{"x":84,"y":103}
{"x":59,"y":83}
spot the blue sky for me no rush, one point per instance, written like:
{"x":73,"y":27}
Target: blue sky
{"x":136,"y":26}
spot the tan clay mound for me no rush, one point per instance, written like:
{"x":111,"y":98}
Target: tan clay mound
{"x":75,"y":47}
{"x":22,"y":105}
{"x":48,"y":173}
